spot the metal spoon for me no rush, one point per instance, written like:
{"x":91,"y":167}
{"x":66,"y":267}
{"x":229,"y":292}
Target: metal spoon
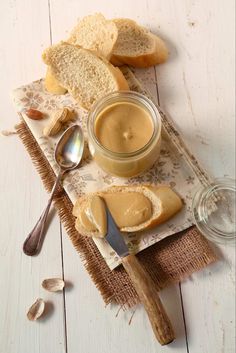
{"x":68,"y":154}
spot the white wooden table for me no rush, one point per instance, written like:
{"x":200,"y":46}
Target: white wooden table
{"x":196,"y":88}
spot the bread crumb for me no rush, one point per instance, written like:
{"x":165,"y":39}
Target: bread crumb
{"x":191,"y":24}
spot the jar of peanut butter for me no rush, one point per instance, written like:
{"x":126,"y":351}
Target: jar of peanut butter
{"x":124,"y":133}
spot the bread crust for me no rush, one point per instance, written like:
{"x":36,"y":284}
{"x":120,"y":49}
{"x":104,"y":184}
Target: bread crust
{"x":52,"y":85}
{"x":121,"y":80}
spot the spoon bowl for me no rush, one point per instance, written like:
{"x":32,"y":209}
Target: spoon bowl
{"x":70,"y":147}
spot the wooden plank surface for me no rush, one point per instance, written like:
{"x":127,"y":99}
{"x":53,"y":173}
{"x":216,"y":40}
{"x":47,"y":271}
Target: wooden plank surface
{"x":197,"y":91}
{"x":24,"y":29}
{"x":196,"y":88}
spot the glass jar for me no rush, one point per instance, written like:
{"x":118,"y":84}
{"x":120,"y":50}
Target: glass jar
{"x":132,"y":163}
{"x":214,"y":210}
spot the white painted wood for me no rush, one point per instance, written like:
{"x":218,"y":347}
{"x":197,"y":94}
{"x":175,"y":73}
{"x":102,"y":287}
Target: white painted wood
{"x":24,"y":29}
{"x":196,"y":88}
{"x":93,"y":328}
{"x":209,"y":306}
{"x":197,"y":85}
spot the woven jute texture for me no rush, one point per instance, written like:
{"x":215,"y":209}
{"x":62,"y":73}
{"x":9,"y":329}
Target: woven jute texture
{"x":168,"y":261}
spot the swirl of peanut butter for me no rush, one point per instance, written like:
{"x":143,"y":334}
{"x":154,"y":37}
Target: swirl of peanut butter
{"x":124,"y":127}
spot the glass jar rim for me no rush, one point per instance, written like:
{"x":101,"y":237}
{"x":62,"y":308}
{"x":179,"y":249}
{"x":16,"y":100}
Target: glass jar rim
{"x":212,"y":195}
{"x":132,"y":96}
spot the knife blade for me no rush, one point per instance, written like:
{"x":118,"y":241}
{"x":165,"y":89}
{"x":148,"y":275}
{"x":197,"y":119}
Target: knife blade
{"x":114,"y":237}
{"x":142,"y":282}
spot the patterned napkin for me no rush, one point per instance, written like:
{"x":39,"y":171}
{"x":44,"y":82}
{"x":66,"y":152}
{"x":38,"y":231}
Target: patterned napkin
{"x":176,"y":166}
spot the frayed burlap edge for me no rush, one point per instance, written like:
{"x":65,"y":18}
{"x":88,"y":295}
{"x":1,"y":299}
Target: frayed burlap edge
{"x":89,"y":254}
{"x":168,"y":261}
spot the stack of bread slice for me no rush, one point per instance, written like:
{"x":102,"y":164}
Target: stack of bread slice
{"x":83,"y":65}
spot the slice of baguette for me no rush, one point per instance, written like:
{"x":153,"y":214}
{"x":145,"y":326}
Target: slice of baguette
{"x":165,"y":203}
{"x":52,"y":85}
{"x":96,"y":33}
{"x":86,"y":76}
{"x":136,"y":46}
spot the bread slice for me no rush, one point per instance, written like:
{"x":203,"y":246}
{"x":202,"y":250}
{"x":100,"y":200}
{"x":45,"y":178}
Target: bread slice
{"x":52,"y":85}
{"x":96,"y":33}
{"x":164,"y":203}
{"x":136,"y":46}
{"x":86,"y":76}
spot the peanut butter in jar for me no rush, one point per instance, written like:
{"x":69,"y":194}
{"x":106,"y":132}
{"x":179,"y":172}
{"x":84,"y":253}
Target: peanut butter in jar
{"x":124,"y":130}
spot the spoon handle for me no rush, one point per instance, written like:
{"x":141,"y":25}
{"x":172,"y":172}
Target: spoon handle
{"x":33,"y":242}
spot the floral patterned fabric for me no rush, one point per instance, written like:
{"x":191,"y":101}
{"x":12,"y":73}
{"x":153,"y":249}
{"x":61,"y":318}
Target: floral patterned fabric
{"x":173,"y":166}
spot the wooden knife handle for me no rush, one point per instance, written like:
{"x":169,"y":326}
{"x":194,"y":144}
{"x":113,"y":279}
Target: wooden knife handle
{"x":148,"y":295}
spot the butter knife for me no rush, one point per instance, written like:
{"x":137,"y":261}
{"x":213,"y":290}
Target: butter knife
{"x":142,"y":283}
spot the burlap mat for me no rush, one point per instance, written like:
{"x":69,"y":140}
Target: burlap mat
{"x":168,"y":261}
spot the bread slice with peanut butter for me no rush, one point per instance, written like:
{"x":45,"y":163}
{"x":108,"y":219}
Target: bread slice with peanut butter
{"x":134,"y":208}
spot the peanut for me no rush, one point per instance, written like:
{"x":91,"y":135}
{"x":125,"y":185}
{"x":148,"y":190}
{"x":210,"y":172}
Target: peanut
{"x":34,"y":114}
